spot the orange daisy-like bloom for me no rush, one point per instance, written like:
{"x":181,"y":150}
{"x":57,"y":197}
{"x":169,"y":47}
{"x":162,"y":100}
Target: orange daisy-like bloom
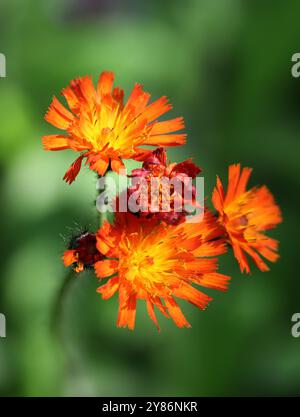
{"x":245,"y":215}
{"x":106,"y":129}
{"x":157,"y":262}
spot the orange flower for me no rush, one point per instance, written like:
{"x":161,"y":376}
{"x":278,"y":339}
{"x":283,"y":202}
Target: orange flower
{"x":245,"y":215}
{"x":104,"y":128}
{"x":161,"y":197}
{"x":82,"y":252}
{"x":157,"y":262}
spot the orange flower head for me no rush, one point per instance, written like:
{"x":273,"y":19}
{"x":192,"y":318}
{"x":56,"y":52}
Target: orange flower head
{"x":157,"y":263}
{"x":162,"y":197}
{"x":104,"y":128}
{"x":82,"y":252}
{"x":245,"y":215}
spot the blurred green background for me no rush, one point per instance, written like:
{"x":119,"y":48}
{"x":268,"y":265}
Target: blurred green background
{"x":226,"y":66}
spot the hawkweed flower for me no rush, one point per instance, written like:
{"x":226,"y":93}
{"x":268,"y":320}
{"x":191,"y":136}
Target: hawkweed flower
{"x":82,"y":252}
{"x":245,"y":216}
{"x":168,"y":187}
{"x":104,"y":128}
{"x":152,"y":252}
{"x":157,"y":263}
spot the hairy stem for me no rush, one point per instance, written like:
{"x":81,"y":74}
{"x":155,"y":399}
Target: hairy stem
{"x":57,"y":312}
{"x":70,"y":277}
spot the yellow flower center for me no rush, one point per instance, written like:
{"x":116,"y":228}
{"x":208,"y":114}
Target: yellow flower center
{"x":146,"y":265}
{"x":107,"y":131}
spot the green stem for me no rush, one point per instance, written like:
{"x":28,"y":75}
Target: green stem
{"x":57,"y":312}
{"x":70,"y":277}
{"x":102,"y":216}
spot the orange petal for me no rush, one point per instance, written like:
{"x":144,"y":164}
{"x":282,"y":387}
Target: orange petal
{"x":156,"y":109}
{"x":256,"y":258}
{"x":69,"y":257}
{"x":79,"y":267}
{"x":160,"y":306}
{"x":106,"y":268}
{"x":241,"y":187}
{"x":192,"y":295}
{"x":105,"y":83}
{"x":233,"y":180}
{"x":84,"y":88}
{"x":73,"y":171}
{"x":176,"y":313}
{"x":240,"y":257}
{"x":213,"y":248}
{"x":55,"y":142}
{"x":106,"y":239}
{"x":117,"y":165}
{"x":269,"y":254}
{"x":127,"y":309}
{"x":218,"y":196}
{"x":98,"y":164}
{"x":168,"y":126}
{"x":71,"y":98}
{"x":151,"y":312}
{"x":118,"y":95}
{"x":202,"y":265}
{"x":58,"y":115}
{"x":214,"y":280}
{"x":109,"y":289}
{"x":166,"y":140}
{"x":137,"y":100}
